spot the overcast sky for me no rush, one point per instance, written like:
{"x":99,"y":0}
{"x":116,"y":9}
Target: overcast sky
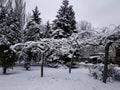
{"x":99,"y":12}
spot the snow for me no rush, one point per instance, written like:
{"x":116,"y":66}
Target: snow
{"x":92,"y":57}
{"x":54,"y":79}
{"x":117,"y":68}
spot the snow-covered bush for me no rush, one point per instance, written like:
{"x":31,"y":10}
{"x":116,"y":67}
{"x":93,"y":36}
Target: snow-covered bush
{"x":87,"y":41}
{"x":114,"y":71}
{"x":54,"y":49}
{"x":58,"y":34}
{"x":7,"y":58}
{"x":96,"y":71}
{"x":117,"y":73}
{"x":29,"y":51}
{"x":59,"y":49}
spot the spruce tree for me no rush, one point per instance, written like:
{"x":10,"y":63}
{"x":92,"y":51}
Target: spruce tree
{"x":9,"y":35}
{"x":36,"y":15}
{"x":9,"y":26}
{"x":7,"y":58}
{"x":65,"y":19}
{"x":48,"y":30}
{"x":32,"y":31}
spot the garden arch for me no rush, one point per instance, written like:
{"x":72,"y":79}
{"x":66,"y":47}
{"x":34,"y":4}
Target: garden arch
{"x":106,"y":62}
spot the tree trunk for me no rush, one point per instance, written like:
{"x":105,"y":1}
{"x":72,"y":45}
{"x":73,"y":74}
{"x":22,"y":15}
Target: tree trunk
{"x":71,"y":63}
{"x":70,"y":67}
{"x":4,"y":70}
{"x":42,"y":65}
{"x":105,"y":72}
{"x":42,"y":70}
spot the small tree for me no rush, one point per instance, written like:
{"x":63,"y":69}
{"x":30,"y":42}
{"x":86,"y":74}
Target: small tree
{"x":84,"y":25}
{"x":9,"y":26}
{"x":65,"y":19}
{"x":32,"y":32}
{"x":9,"y":35}
{"x":28,"y":60}
{"x":7,"y":57}
{"x":35,"y":16}
{"x":48,"y":30}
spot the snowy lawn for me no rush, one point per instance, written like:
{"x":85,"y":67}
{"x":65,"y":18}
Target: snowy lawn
{"x":54,"y":79}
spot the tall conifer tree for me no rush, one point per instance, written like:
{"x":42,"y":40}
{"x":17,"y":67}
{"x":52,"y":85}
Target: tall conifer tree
{"x":65,"y":19}
{"x":32,"y":32}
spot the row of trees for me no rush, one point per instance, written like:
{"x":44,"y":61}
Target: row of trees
{"x":31,"y":40}
{"x":12,"y":20}
{"x":12,"y":23}
{"x":63,"y":26}
{"x":65,"y":22}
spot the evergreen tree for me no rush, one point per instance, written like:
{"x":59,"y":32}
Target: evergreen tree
{"x":32,"y":32}
{"x":7,"y":58}
{"x":65,"y":19}
{"x":16,"y":10}
{"x":9,"y":26}
{"x":18,"y":7}
{"x":48,"y":30}
{"x":36,"y":15}
{"x":48,"y":25}
{"x":19,"y":13}
{"x":9,"y":34}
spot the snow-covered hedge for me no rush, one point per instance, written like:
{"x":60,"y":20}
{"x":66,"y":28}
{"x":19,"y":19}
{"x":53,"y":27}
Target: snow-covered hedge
{"x":53,"y":49}
{"x":96,"y":71}
{"x":115,"y":72}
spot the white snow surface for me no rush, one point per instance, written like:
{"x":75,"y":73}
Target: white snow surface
{"x":54,"y":79}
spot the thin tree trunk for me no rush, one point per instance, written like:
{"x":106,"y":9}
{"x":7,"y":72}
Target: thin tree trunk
{"x":70,"y":67}
{"x":4,"y":70}
{"x":71,"y":63}
{"x":42,"y":66}
{"x":42,"y":70}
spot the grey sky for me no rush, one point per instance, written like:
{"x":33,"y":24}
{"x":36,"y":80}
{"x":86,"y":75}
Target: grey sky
{"x":99,"y":12}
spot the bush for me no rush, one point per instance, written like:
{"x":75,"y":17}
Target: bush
{"x":97,"y":72}
{"x":7,"y":58}
{"x":114,"y":71}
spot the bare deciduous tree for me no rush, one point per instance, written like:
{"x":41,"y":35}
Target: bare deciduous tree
{"x":84,"y":25}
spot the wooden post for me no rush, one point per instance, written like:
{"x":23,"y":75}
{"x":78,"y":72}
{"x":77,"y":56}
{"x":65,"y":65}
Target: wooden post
{"x":105,"y":72}
{"x":42,"y":65}
{"x":4,"y":70}
{"x":43,"y":51}
{"x":71,"y":63}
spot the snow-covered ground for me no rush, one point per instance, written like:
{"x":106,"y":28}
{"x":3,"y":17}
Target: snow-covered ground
{"x":54,"y":79}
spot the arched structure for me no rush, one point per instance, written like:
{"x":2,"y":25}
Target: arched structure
{"x":114,"y":38}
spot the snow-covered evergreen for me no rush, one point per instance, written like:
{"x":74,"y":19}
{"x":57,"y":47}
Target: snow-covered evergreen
{"x":35,"y":16}
{"x":9,"y":26}
{"x":65,"y":19}
{"x":33,"y":30}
